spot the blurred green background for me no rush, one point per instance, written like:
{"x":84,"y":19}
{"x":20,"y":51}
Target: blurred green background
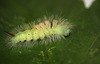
{"x":82,"y":47}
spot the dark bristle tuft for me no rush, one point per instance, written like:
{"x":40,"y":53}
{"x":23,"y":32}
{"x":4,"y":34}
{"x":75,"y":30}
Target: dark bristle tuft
{"x":24,"y":41}
{"x":31,"y":40}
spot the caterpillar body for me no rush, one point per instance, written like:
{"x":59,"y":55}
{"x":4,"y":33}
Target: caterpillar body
{"x":46,"y":31}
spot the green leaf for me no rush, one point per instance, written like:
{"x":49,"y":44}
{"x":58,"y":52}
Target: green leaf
{"x":81,"y":47}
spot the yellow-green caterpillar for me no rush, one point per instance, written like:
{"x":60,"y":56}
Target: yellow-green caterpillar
{"x":46,"y":31}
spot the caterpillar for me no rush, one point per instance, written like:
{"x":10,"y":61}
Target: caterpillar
{"x":47,"y":30}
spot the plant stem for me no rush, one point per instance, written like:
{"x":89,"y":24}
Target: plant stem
{"x":46,"y":54}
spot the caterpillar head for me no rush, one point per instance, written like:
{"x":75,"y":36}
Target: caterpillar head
{"x":66,"y":31}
